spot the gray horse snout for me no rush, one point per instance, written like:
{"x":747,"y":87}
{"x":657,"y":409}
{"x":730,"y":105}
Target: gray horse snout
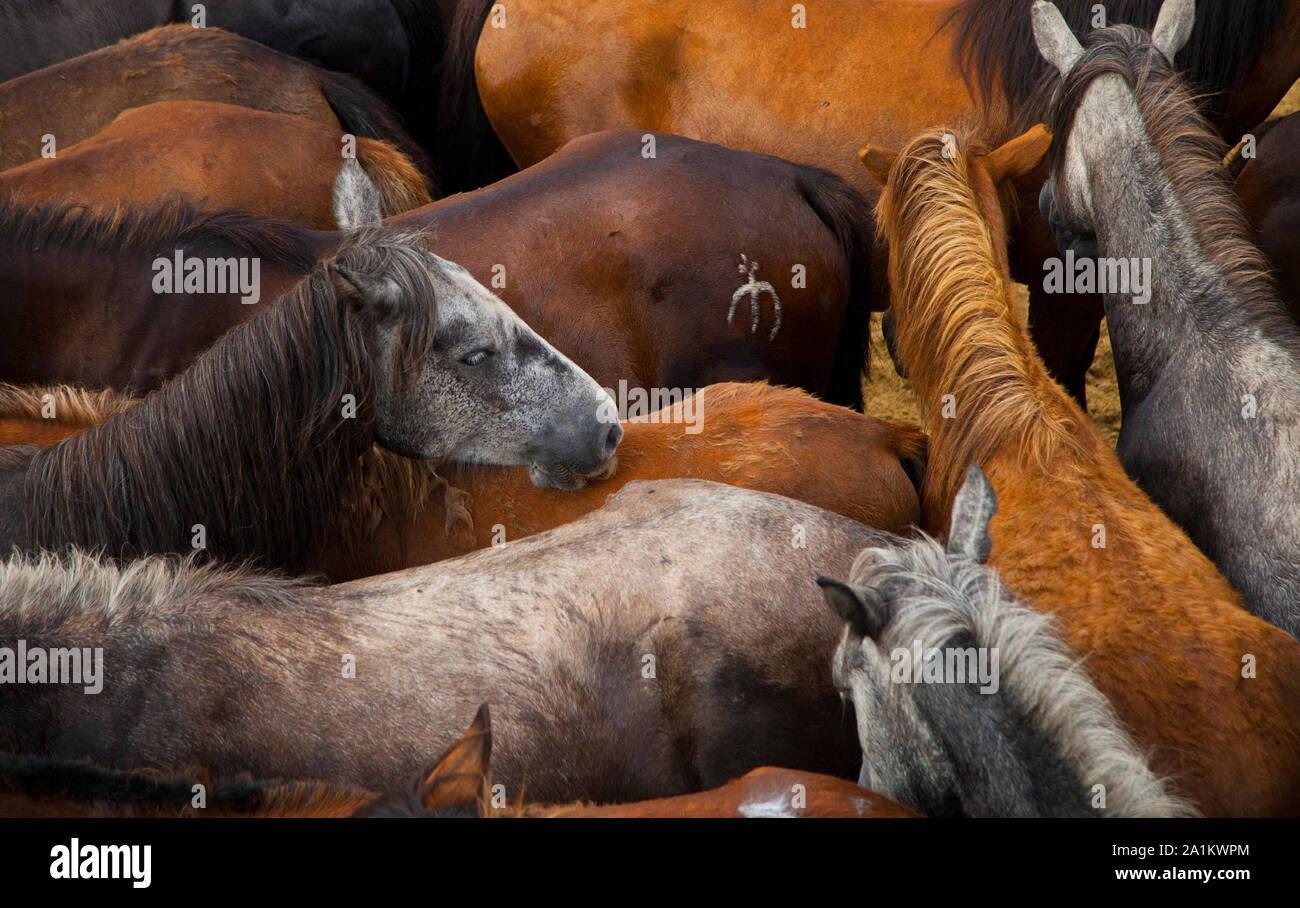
{"x":586,"y":446}
{"x":613,"y":435}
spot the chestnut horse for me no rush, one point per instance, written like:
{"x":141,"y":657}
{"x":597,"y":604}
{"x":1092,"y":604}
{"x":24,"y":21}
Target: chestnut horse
{"x":73,"y":100}
{"x":457,"y":785}
{"x":364,"y":37}
{"x":150,"y":151}
{"x":754,"y":436}
{"x":690,"y":258}
{"x":249,"y":454}
{"x":397,"y":47}
{"x":1269,"y":190}
{"x":666,"y":643}
{"x":1209,"y":362}
{"x":1212,"y":692}
{"x":806,"y":84}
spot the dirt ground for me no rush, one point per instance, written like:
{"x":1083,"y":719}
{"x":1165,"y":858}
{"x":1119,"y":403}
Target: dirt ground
{"x":890,"y":397}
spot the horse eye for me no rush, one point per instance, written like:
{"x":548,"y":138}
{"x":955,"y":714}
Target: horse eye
{"x":475,"y":357}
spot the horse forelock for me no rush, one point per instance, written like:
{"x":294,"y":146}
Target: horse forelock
{"x":943,"y":600}
{"x":1191,"y":155}
{"x":956,"y":328}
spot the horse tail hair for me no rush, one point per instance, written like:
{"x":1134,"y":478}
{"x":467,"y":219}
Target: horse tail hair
{"x":468,"y":147}
{"x":365,"y":114}
{"x":848,"y":215}
{"x":400,"y":183}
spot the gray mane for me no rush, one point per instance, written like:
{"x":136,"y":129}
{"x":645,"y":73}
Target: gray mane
{"x":46,"y":592}
{"x":940,"y":597}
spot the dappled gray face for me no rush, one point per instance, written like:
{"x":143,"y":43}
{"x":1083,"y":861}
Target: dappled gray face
{"x":492,"y":391}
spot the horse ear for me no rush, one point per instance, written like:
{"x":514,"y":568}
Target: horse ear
{"x":877,"y":161}
{"x":460,"y":777}
{"x":855,"y":605}
{"x":364,"y":289}
{"x":1055,"y":41}
{"x":1019,"y":156}
{"x":1173,"y":26}
{"x":356,"y":200}
{"x":972,"y":509}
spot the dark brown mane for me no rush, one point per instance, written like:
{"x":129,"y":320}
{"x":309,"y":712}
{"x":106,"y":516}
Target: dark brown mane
{"x":994,"y":44}
{"x":174,"y":219}
{"x":1191,"y":154}
{"x":250,"y":441}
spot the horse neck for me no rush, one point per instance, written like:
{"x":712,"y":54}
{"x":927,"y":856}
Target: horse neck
{"x":250,"y":442}
{"x":1142,"y":216}
{"x":964,"y":338}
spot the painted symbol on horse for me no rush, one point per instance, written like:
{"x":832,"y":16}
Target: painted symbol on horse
{"x":755,"y":289}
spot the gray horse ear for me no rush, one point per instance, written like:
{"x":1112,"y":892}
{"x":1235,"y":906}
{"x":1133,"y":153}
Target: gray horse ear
{"x":972,"y":509}
{"x":1173,"y":26}
{"x":1055,"y":41}
{"x":363,"y":289}
{"x":356,"y":200}
{"x":855,"y":605}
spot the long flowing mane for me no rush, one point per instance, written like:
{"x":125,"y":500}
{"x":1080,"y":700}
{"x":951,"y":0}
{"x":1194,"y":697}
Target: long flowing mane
{"x":251,"y":441}
{"x":174,"y":219}
{"x":957,"y":602}
{"x":994,"y":44}
{"x":957,"y":329}
{"x":1191,"y":155}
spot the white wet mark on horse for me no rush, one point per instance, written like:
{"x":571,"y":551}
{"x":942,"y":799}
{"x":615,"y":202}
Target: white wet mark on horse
{"x":754,"y":289}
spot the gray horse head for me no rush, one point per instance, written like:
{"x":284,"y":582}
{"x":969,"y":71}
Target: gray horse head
{"x":484,"y":388}
{"x":967,"y":702}
{"x":1066,"y":201}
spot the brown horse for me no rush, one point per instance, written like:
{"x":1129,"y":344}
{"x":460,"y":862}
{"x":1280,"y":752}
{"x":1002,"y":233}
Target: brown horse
{"x":150,"y":151}
{"x":1210,"y":690}
{"x":692,"y":257}
{"x":749,"y":435}
{"x":808,"y":85}
{"x":457,"y":785}
{"x":73,"y":100}
{"x":1269,"y":189}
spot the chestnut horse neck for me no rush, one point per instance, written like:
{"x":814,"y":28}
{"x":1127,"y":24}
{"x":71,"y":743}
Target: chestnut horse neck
{"x":958,"y":334}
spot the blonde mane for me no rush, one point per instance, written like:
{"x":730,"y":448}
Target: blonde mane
{"x":957,"y":331}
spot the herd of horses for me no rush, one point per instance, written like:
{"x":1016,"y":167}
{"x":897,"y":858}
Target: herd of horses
{"x":380,"y":505}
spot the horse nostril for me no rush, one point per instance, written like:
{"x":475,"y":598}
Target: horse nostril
{"x":612,"y":437}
